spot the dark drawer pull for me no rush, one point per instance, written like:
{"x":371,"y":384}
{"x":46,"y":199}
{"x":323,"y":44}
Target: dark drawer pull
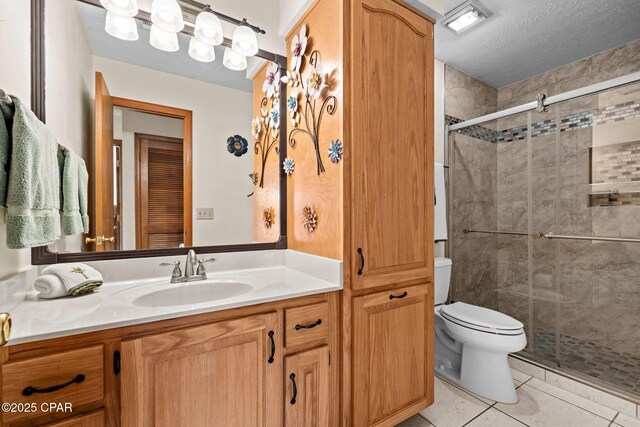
{"x":273,"y":348}
{"x":311,"y":326}
{"x":402,"y":295}
{"x":31,"y":390}
{"x":295,"y":389}
{"x":361,"y":262}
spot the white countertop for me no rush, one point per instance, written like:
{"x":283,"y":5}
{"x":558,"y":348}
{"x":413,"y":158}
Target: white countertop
{"x":290,"y":275}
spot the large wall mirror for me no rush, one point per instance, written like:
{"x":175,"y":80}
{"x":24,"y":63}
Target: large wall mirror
{"x":182,"y":139}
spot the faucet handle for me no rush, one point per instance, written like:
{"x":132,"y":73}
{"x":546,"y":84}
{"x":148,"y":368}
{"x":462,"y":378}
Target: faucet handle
{"x":201,"y":262}
{"x":176,"y":268}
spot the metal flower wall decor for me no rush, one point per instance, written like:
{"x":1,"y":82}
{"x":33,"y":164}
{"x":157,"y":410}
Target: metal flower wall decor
{"x":308,"y":101}
{"x":265,"y":128}
{"x":309,"y":219}
{"x":237,"y":145}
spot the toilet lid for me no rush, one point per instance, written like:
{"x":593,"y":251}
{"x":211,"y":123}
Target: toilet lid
{"x":481,"y":317}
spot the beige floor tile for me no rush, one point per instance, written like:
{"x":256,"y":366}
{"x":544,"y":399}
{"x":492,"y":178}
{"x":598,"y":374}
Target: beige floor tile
{"x":452,"y":407}
{"x":626,"y":421}
{"x":519,"y":377}
{"x":592,"y":394}
{"x":415,"y":421}
{"x":527,"y":368}
{"x":539,"y":409}
{"x":574,"y":399}
{"x":494,"y":418}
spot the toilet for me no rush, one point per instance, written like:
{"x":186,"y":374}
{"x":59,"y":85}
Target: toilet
{"x":472,"y":343}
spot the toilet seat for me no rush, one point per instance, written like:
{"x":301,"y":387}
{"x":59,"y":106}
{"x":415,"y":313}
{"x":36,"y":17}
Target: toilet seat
{"x":481,"y":319}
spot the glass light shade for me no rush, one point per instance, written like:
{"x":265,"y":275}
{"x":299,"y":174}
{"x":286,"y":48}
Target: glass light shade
{"x":233,"y":60}
{"x":201,"y":51}
{"x":208,"y":29}
{"x":163,"y":40}
{"x":126,"y":8}
{"x":167,"y":15}
{"x":245,"y":41}
{"x":120,"y":27}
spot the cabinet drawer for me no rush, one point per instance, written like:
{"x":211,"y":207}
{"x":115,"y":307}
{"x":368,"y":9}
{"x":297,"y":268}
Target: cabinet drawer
{"x":94,"y":419}
{"x":74,"y":377}
{"x":308,"y":324}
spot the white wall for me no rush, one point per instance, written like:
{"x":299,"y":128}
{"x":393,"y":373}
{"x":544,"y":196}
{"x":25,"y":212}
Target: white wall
{"x":220,"y":180}
{"x":15,"y":33}
{"x":133,"y":122}
{"x":439,"y":133}
{"x":69,"y":86}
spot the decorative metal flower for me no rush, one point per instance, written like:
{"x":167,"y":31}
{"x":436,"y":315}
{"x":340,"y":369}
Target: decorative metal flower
{"x":270,"y":85}
{"x":254,"y":178}
{"x":288,"y":165}
{"x":274,"y":117}
{"x":298,"y":48}
{"x":335,"y":151}
{"x":292,"y":78}
{"x":317,"y":81}
{"x":256,"y":127}
{"x":267,"y":217}
{"x":294,"y":109}
{"x":309,"y":219}
{"x":237,"y":145}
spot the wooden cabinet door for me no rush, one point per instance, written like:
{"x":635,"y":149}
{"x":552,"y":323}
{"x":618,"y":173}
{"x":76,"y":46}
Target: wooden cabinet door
{"x":392,"y":355}
{"x":391,"y":144}
{"x":307,"y":389}
{"x":221,"y":374}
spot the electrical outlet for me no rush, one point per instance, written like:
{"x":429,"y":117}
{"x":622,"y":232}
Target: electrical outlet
{"x":204,"y":214}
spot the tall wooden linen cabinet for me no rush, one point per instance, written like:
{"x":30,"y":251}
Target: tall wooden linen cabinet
{"x":374,"y":207}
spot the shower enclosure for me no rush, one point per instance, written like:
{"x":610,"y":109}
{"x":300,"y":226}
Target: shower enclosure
{"x":545,"y":226}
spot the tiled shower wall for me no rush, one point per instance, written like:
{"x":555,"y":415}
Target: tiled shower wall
{"x":585,"y":294}
{"x":473,"y":191}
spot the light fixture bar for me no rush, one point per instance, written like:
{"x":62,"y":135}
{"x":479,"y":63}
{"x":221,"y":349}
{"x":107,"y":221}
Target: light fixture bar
{"x":465,"y":16}
{"x":196,"y":7}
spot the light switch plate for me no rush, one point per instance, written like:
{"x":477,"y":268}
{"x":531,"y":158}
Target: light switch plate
{"x":204,"y":214}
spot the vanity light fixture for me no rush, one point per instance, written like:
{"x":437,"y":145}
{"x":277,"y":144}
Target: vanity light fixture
{"x":163,"y":40}
{"x":208,"y":28}
{"x":201,"y":51}
{"x":465,"y":16}
{"x":233,"y":60}
{"x":245,"y":41}
{"x":167,"y":15}
{"x":125,"y":8}
{"x":121,"y":27}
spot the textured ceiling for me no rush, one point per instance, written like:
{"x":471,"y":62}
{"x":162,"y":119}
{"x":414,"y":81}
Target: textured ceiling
{"x":527,"y":37}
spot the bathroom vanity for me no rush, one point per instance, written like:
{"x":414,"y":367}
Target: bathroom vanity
{"x":319,"y":307}
{"x":266,"y":355}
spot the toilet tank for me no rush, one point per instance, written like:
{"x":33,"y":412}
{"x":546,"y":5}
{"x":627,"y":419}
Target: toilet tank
{"x":442,"y":279}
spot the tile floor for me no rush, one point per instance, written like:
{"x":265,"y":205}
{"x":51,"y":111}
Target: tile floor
{"x":541,"y":404}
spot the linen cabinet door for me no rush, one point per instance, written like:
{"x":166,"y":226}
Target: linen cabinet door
{"x":392,"y":144}
{"x":222,"y":374}
{"x":307,"y":389}
{"x":392,"y":355}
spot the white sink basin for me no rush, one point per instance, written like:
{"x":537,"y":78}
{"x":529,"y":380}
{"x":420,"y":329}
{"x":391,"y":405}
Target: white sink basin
{"x":165,"y":294}
{"x":192,"y":293}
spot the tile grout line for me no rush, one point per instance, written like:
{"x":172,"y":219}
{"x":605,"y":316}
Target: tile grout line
{"x":472,"y":419}
{"x":512,"y":417}
{"x":572,"y":404}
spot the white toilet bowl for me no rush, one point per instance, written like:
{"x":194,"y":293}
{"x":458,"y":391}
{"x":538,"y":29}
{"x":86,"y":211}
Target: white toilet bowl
{"x":472,"y":343}
{"x":472,"y":346}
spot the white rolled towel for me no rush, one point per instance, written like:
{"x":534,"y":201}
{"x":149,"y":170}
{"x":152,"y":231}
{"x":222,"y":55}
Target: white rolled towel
{"x":60,"y":280}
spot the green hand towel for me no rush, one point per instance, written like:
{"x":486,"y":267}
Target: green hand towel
{"x":74,"y":194}
{"x":33,"y":200}
{"x":5,"y":146}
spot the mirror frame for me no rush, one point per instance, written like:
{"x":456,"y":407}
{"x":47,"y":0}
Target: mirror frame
{"x":42,"y":255}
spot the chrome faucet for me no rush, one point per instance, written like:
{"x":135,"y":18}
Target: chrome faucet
{"x":189,"y":275}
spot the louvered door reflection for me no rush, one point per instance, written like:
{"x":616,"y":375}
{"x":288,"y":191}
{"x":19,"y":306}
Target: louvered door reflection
{"x":159,"y":192}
